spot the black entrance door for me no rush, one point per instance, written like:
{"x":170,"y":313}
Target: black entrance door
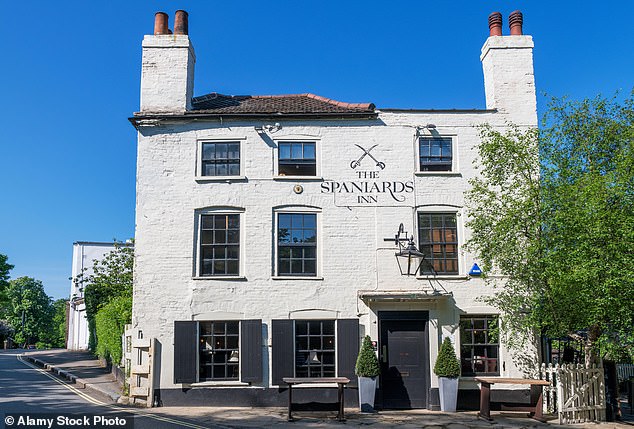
{"x":404,"y":361}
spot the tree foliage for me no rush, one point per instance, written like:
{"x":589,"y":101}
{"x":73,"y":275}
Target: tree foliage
{"x":111,"y":278}
{"x":367,"y":364}
{"x":5,"y":267}
{"x":553,"y":211}
{"x":30,"y":313}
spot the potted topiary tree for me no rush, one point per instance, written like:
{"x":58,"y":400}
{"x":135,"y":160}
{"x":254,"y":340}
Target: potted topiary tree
{"x":367,"y":369}
{"x":447,"y":368}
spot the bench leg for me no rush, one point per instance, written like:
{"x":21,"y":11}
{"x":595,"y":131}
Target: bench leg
{"x":485,"y":401}
{"x":340,"y":416}
{"x":290,"y":402}
{"x":539,"y":406}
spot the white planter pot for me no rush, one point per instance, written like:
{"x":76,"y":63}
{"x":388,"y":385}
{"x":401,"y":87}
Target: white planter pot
{"x":448,"y":388}
{"x":367,"y":388}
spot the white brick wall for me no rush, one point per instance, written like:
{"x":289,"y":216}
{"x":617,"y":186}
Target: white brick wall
{"x":353,"y":255}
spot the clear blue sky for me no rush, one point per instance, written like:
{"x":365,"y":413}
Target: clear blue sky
{"x":70,"y":79}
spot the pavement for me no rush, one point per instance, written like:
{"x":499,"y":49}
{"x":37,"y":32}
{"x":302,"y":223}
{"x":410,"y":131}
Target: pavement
{"x":87,"y":372}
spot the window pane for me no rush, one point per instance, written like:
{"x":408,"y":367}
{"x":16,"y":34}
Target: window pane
{"x":221,"y":151}
{"x":233,"y":221}
{"x":220,"y":237}
{"x":315,"y":348}
{"x":310,"y":221}
{"x":233,"y":169}
{"x":296,"y":151}
{"x":208,"y":151}
{"x":233,"y":150}
{"x":309,"y":150}
{"x":233,"y":267}
{"x":309,"y":267}
{"x":296,"y":266}
{"x":284,"y":266}
{"x":285,"y":150}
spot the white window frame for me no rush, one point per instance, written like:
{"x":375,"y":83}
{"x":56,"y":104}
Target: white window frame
{"x":197,"y":275}
{"x":297,"y":139}
{"x":199,"y":158}
{"x":454,"y":154}
{"x":445,"y":209}
{"x":318,"y":253}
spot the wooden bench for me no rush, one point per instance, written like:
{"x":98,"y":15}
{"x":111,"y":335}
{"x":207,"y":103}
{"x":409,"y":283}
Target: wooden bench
{"x":317,"y":382}
{"x":536,"y":391}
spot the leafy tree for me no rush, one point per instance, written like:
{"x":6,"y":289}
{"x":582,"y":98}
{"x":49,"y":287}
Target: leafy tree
{"x":57,"y":332}
{"x":30,"y":312}
{"x":554,"y":212}
{"x":111,"y":278}
{"x":5,"y":267}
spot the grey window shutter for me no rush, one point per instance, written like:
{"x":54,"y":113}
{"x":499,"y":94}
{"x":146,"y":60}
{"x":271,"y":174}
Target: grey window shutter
{"x":185,"y":352}
{"x":347,"y":348}
{"x":251,"y":351}
{"x":283,"y":353}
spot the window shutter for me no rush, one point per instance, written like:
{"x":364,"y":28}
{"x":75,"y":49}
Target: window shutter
{"x":347,"y":348}
{"x":283,"y":353}
{"x":185,"y":351}
{"x":251,"y":351}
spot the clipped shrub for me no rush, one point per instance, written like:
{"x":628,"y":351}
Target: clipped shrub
{"x":110,"y":323}
{"x":367,"y":363}
{"x":447,"y":364}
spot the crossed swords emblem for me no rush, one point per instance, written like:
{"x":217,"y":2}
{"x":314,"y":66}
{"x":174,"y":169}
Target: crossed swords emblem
{"x":357,"y":163}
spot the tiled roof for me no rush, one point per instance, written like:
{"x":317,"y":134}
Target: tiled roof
{"x":273,"y":104}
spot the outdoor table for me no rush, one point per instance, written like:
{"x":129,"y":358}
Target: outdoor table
{"x":536,"y":390}
{"x":340,"y":381}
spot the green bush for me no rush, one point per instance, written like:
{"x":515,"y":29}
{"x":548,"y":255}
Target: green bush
{"x":110,"y":323}
{"x":367,"y":363}
{"x":447,"y":364}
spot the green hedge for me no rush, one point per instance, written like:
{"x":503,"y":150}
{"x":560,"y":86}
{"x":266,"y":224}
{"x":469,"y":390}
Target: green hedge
{"x":367,"y":363}
{"x":110,"y":323}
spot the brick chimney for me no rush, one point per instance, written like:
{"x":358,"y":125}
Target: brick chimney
{"x":509,"y":77}
{"x":167,"y":74}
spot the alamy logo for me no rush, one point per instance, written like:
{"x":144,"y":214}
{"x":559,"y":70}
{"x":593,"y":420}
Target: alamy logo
{"x":356,"y":163}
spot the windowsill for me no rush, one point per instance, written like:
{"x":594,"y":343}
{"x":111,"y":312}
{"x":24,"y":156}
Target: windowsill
{"x":227,"y":179}
{"x":438,"y":173}
{"x":302,"y":178}
{"x":443,"y":277}
{"x":220,"y":383}
{"x":236,"y":278}
{"x":296,"y":278}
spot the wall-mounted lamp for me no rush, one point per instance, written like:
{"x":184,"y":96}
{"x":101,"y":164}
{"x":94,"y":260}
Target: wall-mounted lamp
{"x":269,"y":128}
{"x":421,"y":129}
{"x":407,"y":253}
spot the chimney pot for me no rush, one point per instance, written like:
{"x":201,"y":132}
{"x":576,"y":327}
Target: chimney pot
{"x":181,"y":22}
{"x":495,"y":24}
{"x":160,"y":23}
{"x":516,"y":19}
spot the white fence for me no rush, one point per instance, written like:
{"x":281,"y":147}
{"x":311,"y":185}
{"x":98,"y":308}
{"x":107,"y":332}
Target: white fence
{"x":576,"y":392}
{"x":624,"y":371}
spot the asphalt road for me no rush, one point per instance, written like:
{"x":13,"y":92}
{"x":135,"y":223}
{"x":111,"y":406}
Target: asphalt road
{"x":28,"y":390}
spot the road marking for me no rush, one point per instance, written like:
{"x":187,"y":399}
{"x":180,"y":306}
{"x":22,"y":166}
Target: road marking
{"x":110,"y":406}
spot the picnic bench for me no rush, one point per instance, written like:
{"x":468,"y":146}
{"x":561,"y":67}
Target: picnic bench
{"x":536,"y":386}
{"x":325,"y":382}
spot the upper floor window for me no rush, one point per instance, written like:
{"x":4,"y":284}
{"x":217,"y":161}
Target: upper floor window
{"x":297,"y":244}
{"x":297,"y":159}
{"x":435,"y":153}
{"x":438,"y":238}
{"x":479,"y":345}
{"x":219,"y":244}
{"x":220,"y":159}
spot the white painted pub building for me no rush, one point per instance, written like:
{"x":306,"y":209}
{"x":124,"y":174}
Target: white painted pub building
{"x":265,"y":229}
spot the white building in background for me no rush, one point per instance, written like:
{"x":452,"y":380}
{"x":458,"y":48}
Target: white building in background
{"x":85,"y":253}
{"x":265,"y":233}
